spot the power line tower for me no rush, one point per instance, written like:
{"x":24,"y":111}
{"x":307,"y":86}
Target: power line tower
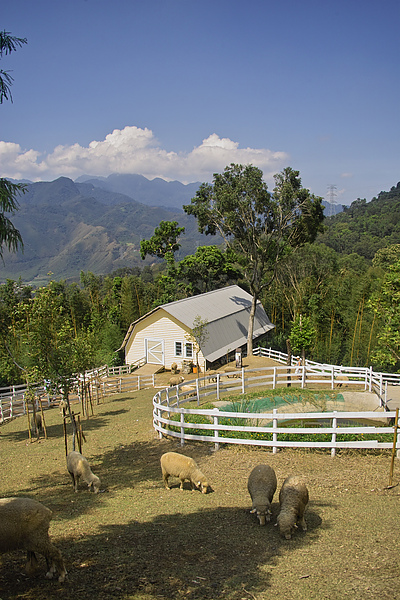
{"x":331,"y":195}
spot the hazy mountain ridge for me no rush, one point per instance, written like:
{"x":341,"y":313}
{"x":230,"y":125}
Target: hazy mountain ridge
{"x":68,"y":227}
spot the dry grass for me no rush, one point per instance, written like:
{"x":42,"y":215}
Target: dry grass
{"x":139,"y":541}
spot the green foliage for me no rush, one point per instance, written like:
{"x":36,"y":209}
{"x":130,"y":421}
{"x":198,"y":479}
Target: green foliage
{"x":365,"y":227}
{"x":386,"y":306}
{"x":8,"y":44}
{"x":259,"y":227}
{"x":164,"y":242}
{"x":303,"y":334}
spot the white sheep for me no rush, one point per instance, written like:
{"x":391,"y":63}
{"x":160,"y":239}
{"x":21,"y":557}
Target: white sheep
{"x":293,"y":499}
{"x":176,"y":380}
{"x":24,"y":525}
{"x":78,"y":466}
{"x":184,"y":468}
{"x":262,"y":486}
{"x":174,"y":368}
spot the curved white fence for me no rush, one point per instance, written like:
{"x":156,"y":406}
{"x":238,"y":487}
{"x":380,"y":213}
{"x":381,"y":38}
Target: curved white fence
{"x":171,"y":418}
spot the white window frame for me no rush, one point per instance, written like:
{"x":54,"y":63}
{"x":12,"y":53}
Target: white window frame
{"x":179,"y":354}
{"x":184,"y":349}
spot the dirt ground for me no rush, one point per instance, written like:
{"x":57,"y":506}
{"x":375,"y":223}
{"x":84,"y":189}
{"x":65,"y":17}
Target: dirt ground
{"x":136,"y":540}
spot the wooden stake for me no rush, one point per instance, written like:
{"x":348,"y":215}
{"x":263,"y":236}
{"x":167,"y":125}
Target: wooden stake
{"x":394,"y":446}
{"x":65,"y":432}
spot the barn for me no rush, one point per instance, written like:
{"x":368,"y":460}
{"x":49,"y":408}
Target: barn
{"x":165,"y":335}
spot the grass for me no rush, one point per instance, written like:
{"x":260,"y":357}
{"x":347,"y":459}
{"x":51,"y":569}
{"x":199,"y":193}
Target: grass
{"x":138,"y":541}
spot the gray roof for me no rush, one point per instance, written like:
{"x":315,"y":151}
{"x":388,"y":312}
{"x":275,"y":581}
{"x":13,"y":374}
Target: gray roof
{"x":227,"y":314}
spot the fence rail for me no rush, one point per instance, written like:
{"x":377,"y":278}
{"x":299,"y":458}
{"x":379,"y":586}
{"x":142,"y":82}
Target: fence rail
{"x":216,"y":425}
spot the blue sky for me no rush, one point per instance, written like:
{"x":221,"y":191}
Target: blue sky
{"x":181,"y":88}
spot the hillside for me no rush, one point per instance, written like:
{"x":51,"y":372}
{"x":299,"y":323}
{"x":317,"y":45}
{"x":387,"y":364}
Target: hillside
{"x":364,"y":227}
{"x":68,"y":227}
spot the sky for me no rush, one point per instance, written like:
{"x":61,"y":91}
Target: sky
{"x":179,"y":89}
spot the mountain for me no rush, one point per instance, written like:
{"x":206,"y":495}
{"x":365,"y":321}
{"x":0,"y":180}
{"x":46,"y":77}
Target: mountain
{"x":68,"y":227}
{"x":154,"y":192}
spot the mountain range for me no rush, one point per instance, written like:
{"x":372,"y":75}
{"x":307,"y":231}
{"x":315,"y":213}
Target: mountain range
{"x":96,"y":224}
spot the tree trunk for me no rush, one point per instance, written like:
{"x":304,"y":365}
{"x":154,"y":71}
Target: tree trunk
{"x":251,"y":327}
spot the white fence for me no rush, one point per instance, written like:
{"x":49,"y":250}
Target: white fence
{"x":262,"y":429}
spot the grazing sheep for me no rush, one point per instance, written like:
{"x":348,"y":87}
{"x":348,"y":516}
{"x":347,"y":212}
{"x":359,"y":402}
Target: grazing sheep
{"x":174,"y":368}
{"x":212,"y":376}
{"x":36,"y":424}
{"x":293,"y":499}
{"x":24,"y":525}
{"x":176,"y":380}
{"x":78,"y":466}
{"x":184,"y":468}
{"x":262,"y":486}
{"x":231,"y":372}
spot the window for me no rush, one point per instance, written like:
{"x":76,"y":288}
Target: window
{"x":184,"y":349}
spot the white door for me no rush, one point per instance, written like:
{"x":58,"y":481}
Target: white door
{"x":155,"y":351}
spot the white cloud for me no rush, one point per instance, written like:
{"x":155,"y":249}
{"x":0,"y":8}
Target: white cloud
{"x":135,"y":150}
{"x":346,"y":175}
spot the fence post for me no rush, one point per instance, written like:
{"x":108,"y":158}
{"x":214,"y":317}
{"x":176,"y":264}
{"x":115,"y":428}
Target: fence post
{"x":182,"y":429}
{"x":153,"y":380}
{"x":333,"y":378}
{"x":274,"y":379}
{"x":167,"y":394}
{"x":216,"y":431}
{"x":120,"y":385}
{"x":197,"y":392}
{"x":138,"y":382}
{"x":242,"y":380}
{"x":218,"y":376}
{"x":303,"y":377}
{"x":274,"y":434}
{"x":334,"y":426}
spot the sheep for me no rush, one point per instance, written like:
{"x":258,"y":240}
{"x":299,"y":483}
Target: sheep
{"x":78,"y":466}
{"x":176,"y":380}
{"x":212,"y":376}
{"x":293,"y":499}
{"x":174,"y":368}
{"x":262,"y":486}
{"x":184,"y":468}
{"x":36,"y":424}
{"x":24,"y":525}
{"x":231,"y":372}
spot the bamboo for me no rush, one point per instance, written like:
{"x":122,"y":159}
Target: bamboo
{"x":354,"y":336}
{"x":394,"y":446}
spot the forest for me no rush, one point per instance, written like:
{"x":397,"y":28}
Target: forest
{"x":343,"y":281}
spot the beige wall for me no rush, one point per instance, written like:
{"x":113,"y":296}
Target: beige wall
{"x":159,"y":325}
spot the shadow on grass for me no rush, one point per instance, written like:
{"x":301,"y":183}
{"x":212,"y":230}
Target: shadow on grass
{"x":205,"y":555}
{"x":56,"y":430}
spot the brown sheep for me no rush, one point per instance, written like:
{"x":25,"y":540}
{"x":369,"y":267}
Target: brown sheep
{"x":184,"y":468}
{"x":293,"y":499}
{"x":176,"y":380}
{"x":261,"y":486}
{"x":24,"y":525}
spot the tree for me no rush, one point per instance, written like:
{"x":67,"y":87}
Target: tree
{"x":198,"y":336}
{"x":386,"y":306}
{"x":259,"y":227}
{"x":9,"y":235}
{"x":302,"y":336}
{"x":164,"y":241}
{"x":205,"y":270}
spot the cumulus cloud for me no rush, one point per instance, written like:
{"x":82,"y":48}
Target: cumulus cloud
{"x":135,"y":150}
